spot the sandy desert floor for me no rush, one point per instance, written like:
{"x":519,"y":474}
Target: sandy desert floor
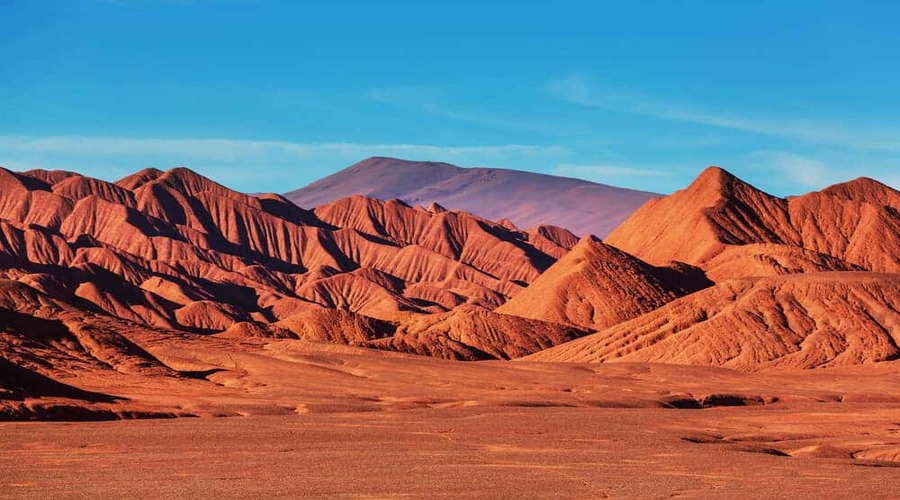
{"x":486,"y":452}
{"x":316,"y":419}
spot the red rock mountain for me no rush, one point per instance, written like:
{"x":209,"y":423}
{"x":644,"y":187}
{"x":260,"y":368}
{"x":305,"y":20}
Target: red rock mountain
{"x":733,"y":229}
{"x":596,"y":286}
{"x":699,"y":277}
{"x":43,"y":341}
{"x":804,"y":282}
{"x":178,"y":251}
{"x":794,"y":321}
{"x":523,"y":199}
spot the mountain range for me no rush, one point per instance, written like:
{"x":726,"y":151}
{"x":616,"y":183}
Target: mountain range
{"x":96,"y":276}
{"x":524,"y":199}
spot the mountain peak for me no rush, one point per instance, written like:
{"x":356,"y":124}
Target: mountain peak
{"x":865,"y":189}
{"x":587,"y":245}
{"x":139,"y":178}
{"x":593,"y":286}
{"x":15,"y":180}
{"x":182,"y":173}
{"x":189,"y":181}
{"x":436,"y":208}
{"x":719,"y":211}
{"x":714,"y":178}
{"x":390,"y":162}
{"x":508,"y":224}
{"x":50,"y":176}
{"x":526,"y":199}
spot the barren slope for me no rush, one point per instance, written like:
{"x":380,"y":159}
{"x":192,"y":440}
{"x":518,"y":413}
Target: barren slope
{"x":596,"y":286}
{"x":846,"y":226}
{"x":472,"y":333}
{"x":176,"y":250}
{"x":796,"y":321}
{"x":526,"y":199}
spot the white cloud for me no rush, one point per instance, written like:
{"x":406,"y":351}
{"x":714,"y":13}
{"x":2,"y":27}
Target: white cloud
{"x":808,"y":172}
{"x":231,"y":149}
{"x":433,"y":100}
{"x":119,"y":146}
{"x":586,"y":92}
{"x":248,"y":164}
{"x":601,"y":173}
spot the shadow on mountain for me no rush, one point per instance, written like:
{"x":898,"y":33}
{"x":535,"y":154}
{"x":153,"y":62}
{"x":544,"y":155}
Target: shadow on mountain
{"x":17,"y":383}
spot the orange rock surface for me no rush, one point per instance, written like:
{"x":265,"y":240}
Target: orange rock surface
{"x":854,"y":225}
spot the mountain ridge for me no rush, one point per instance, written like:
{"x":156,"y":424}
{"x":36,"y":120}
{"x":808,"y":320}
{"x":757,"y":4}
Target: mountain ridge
{"x":526,"y":199}
{"x":854,"y":222}
{"x":176,"y":250}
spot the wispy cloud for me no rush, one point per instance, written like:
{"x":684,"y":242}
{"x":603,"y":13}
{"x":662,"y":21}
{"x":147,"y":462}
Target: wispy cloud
{"x":586,"y":91}
{"x":231,"y":149}
{"x":249,"y":164}
{"x":792,"y":173}
{"x":792,"y":169}
{"x":656,"y":178}
{"x":808,"y":172}
{"x":433,"y":100}
{"x":603,"y":173}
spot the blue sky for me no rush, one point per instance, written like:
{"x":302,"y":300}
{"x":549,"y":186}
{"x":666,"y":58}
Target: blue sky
{"x":269,"y":96}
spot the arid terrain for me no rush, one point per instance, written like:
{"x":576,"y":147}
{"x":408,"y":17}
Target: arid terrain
{"x":164,"y":335}
{"x":311,"y":418}
{"x":523,"y":198}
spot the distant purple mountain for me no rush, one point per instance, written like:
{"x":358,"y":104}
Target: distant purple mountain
{"x":527,"y":199}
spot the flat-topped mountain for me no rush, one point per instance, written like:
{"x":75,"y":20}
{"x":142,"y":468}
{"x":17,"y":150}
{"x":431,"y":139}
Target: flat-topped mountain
{"x":525,"y":199}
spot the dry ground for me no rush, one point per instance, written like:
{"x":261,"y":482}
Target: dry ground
{"x":315,"y":419}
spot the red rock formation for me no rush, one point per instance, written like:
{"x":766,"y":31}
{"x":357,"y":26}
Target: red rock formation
{"x":796,"y":321}
{"x":472,"y":333}
{"x":176,"y":250}
{"x":854,"y":225}
{"x":596,"y":285}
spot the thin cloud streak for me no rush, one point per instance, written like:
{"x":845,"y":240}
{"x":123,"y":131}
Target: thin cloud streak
{"x":232,"y":149}
{"x":807,"y":172}
{"x":428,"y":99}
{"x":790,"y":173}
{"x":585,"y":91}
{"x":248,"y":165}
{"x":655,"y":179}
{"x":593,"y":172}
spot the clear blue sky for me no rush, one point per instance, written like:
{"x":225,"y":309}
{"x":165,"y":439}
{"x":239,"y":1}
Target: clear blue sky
{"x":269,"y":96}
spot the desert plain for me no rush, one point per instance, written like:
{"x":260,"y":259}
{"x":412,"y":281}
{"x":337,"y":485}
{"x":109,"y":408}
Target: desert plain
{"x":292,"y":418}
